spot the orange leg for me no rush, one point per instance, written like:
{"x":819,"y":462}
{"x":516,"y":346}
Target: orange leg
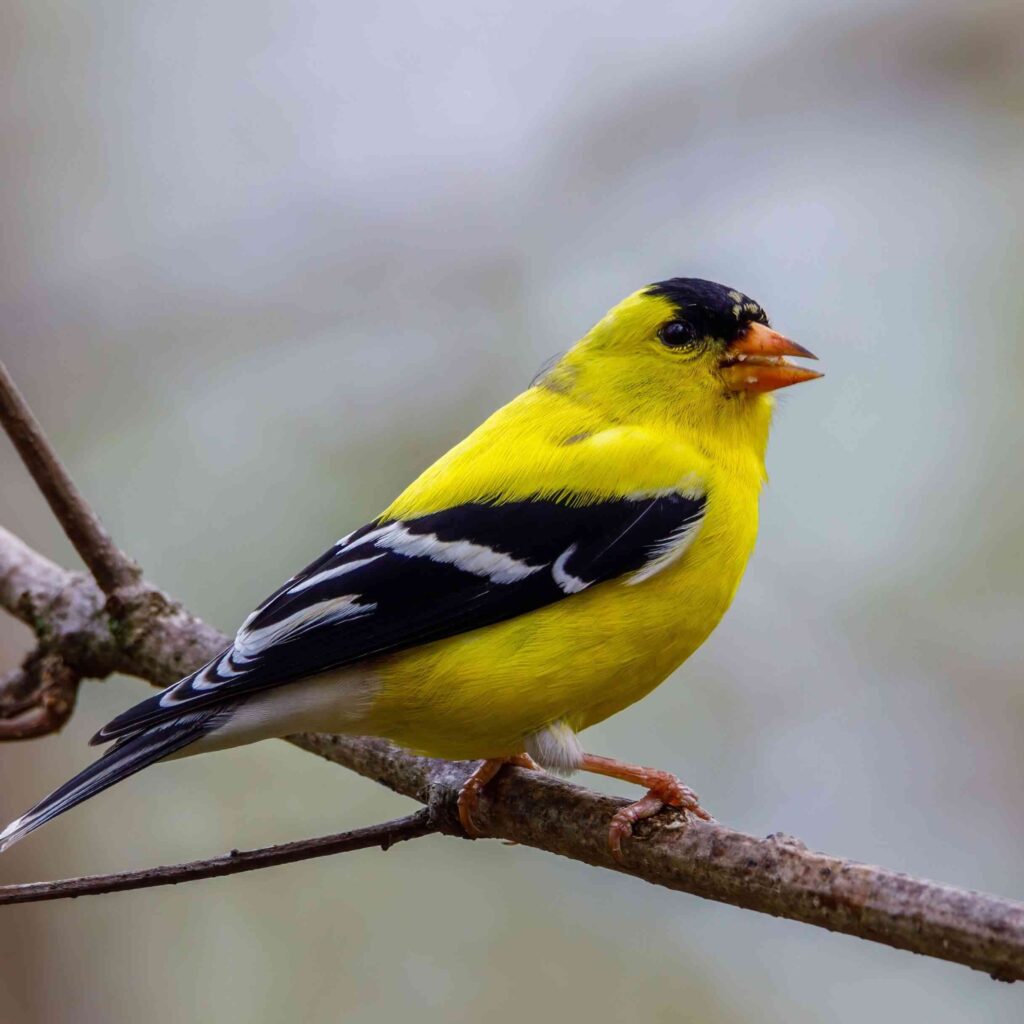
{"x":469,"y":795}
{"x":663,"y":789}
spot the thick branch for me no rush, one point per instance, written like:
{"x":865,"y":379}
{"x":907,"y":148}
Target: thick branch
{"x":383,"y":836}
{"x":108,"y":564}
{"x":777,"y":875}
{"x":141,"y":632}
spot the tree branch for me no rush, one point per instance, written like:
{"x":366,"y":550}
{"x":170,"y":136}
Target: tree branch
{"x":38,"y":698}
{"x":234,"y":863}
{"x":138,"y":630}
{"x":108,"y":564}
{"x":777,"y":875}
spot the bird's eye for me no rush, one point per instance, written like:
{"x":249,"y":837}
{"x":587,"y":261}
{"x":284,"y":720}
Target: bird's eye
{"x":677,"y":334}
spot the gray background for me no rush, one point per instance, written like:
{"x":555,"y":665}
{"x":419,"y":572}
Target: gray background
{"x":263,"y":261}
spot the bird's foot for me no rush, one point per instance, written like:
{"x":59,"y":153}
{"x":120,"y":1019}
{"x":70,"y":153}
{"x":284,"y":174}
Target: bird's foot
{"x":663,"y":790}
{"x":469,"y":795}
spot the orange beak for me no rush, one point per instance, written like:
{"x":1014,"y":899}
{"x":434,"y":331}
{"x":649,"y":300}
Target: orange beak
{"x":755,"y":362}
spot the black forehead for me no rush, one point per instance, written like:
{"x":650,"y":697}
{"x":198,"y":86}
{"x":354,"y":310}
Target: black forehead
{"x":714,"y":309}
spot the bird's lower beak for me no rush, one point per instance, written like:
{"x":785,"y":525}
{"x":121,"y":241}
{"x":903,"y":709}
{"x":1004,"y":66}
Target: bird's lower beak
{"x":756,"y":362}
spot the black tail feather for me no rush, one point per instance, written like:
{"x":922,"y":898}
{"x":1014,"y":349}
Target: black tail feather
{"x":125,"y":758}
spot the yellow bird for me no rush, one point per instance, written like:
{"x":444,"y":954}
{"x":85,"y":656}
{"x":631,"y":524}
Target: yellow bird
{"x":547,"y":572}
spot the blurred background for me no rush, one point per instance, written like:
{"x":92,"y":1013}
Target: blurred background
{"x":264,"y":260}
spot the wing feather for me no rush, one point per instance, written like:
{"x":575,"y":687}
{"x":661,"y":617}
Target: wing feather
{"x":394,"y":585}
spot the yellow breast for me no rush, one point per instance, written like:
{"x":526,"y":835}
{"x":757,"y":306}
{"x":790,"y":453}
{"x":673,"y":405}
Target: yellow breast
{"x":581,"y":660}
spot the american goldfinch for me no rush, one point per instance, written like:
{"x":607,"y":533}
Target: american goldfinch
{"x":547,"y":572}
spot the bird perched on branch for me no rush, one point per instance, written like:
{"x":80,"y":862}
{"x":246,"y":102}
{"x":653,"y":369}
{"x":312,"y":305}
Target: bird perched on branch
{"x":547,"y":572}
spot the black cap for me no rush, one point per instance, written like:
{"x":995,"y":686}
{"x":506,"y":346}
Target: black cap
{"x":713,"y":310}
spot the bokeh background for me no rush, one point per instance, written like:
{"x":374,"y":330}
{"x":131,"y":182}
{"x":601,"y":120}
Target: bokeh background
{"x":264,"y":260}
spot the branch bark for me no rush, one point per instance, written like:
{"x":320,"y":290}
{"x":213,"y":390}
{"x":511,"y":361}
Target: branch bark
{"x":38,"y":698}
{"x":777,"y":875}
{"x":108,"y":564}
{"x":383,"y":836}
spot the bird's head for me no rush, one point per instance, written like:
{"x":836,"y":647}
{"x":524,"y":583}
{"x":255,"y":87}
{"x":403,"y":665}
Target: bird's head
{"x":688,"y":350}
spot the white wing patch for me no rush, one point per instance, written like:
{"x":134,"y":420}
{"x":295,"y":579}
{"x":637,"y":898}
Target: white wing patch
{"x":477,"y":559}
{"x":367,"y":538}
{"x":570,"y":584}
{"x":669,"y":551}
{"x":330,"y":574}
{"x":217,"y":673}
{"x":251,"y":641}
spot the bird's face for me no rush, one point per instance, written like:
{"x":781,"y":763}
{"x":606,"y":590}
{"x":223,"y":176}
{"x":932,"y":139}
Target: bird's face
{"x":692,"y":348}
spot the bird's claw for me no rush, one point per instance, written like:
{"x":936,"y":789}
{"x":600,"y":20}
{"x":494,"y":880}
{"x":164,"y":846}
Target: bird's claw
{"x":469,"y":797}
{"x":469,"y":794}
{"x":666,"y":791}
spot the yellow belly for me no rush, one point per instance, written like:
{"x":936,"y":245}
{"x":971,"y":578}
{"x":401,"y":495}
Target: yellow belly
{"x":580,"y":660}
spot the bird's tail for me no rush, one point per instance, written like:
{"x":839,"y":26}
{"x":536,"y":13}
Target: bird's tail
{"x":127,"y":757}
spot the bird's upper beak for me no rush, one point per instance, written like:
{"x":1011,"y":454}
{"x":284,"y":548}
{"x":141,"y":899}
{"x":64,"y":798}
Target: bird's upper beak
{"x":755,"y":361}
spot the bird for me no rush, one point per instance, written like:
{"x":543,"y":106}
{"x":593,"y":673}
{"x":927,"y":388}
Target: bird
{"x":548,"y":571}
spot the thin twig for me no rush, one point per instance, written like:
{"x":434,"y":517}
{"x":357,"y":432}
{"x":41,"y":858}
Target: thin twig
{"x":383,"y":836}
{"x":111,"y":567}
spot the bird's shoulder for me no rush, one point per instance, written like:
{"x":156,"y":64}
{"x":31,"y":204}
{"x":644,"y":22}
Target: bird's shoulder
{"x":536,"y":447}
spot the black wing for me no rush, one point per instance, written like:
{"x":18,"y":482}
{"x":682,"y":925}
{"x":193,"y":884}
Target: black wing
{"x":394,"y":585}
